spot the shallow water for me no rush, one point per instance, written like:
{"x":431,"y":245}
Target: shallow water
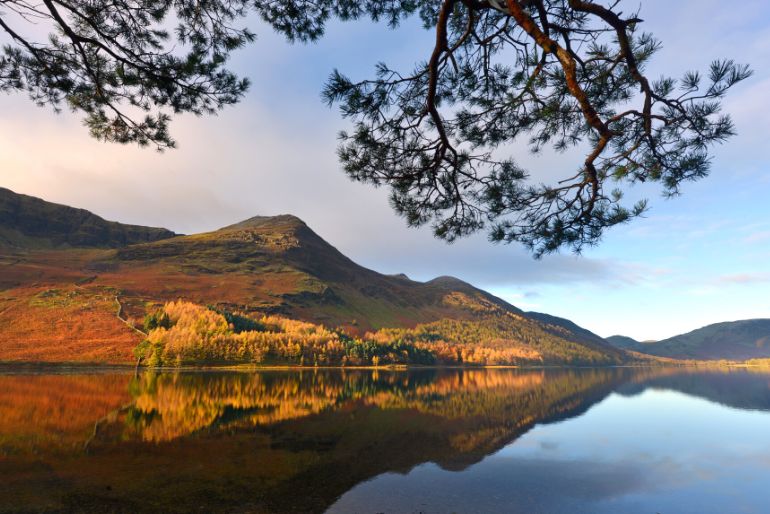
{"x":591,"y":440}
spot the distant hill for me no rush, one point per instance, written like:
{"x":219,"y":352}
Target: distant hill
{"x":262,"y":265}
{"x":733,"y":340}
{"x":29,"y":222}
{"x":625,"y":342}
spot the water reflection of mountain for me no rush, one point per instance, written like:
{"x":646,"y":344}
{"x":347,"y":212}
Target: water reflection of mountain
{"x":736,"y":388}
{"x":283,"y":441}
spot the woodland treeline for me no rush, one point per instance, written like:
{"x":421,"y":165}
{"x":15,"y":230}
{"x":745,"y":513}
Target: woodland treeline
{"x":183,"y":333}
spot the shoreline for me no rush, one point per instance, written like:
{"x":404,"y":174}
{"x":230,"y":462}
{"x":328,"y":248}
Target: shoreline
{"x":7,"y":367}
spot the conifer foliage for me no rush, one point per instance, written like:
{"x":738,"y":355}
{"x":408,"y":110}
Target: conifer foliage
{"x":502,"y":76}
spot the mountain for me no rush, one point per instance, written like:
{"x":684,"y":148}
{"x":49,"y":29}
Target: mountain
{"x":279,"y":265}
{"x":82,"y":294}
{"x":625,"y":343}
{"x":732,"y":340}
{"x":26,"y":221}
{"x":581,"y":334}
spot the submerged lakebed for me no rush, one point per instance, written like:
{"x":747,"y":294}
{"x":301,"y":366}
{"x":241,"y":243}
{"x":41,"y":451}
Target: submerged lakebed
{"x":431,"y":440}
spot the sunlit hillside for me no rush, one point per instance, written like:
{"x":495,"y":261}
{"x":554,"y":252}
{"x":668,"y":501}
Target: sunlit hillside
{"x":68,"y":300}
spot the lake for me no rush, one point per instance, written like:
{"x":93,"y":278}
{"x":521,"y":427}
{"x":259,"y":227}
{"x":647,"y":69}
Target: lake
{"x":644,"y":440}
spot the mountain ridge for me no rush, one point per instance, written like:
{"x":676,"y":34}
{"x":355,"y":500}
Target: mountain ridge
{"x":733,"y":340}
{"x":624,"y":342}
{"x":268,"y":244}
{"x":27,"y":221}
{"x":264,"y":265}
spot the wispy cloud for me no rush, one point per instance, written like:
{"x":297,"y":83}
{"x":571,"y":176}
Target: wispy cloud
{"x":744,"y":278}
{"x":757,"y":237}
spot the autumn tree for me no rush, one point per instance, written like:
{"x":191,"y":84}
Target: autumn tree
{"x":442,"y":136}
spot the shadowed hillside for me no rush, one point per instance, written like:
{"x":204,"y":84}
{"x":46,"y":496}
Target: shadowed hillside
{"x":26,"y":221}
{"x":583,"y":335}
{"x":626,"y":343}
{"x":733,"y":340}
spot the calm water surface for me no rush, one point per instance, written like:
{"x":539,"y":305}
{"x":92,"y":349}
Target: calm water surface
{"x":575,"y":441}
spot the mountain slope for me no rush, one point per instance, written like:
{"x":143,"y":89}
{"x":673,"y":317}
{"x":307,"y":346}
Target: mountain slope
{"x":625,"y":343}
{"x":26,"y":221}
{"x":733,"y":340}
{"x":279,"y":265}
{"x":583,"y":334}
{"x":745,"y":339}
{"x":264,"y":265}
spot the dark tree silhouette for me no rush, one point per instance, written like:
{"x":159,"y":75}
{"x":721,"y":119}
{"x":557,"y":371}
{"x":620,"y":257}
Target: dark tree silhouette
{"x":118,"y":62}
{"x":550,"y":73}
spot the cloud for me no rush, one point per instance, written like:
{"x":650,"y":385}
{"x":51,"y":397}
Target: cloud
{"x":249,"y":161}
{"x":757,"y":237}
{"x":421,"y":256}
{"x":744,"y":278}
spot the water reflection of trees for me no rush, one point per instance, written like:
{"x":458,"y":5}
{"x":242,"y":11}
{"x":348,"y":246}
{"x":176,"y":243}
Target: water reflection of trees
{"x":43,"y":411}
{"x":294,"y":440}
{"x":47,"y":412}
{"x":167,"y":406}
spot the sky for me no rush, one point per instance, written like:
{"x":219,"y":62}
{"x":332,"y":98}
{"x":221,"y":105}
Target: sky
{"x":697,"y":259}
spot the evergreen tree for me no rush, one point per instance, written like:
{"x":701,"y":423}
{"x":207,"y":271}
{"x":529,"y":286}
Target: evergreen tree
{"x":549,"y":73}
